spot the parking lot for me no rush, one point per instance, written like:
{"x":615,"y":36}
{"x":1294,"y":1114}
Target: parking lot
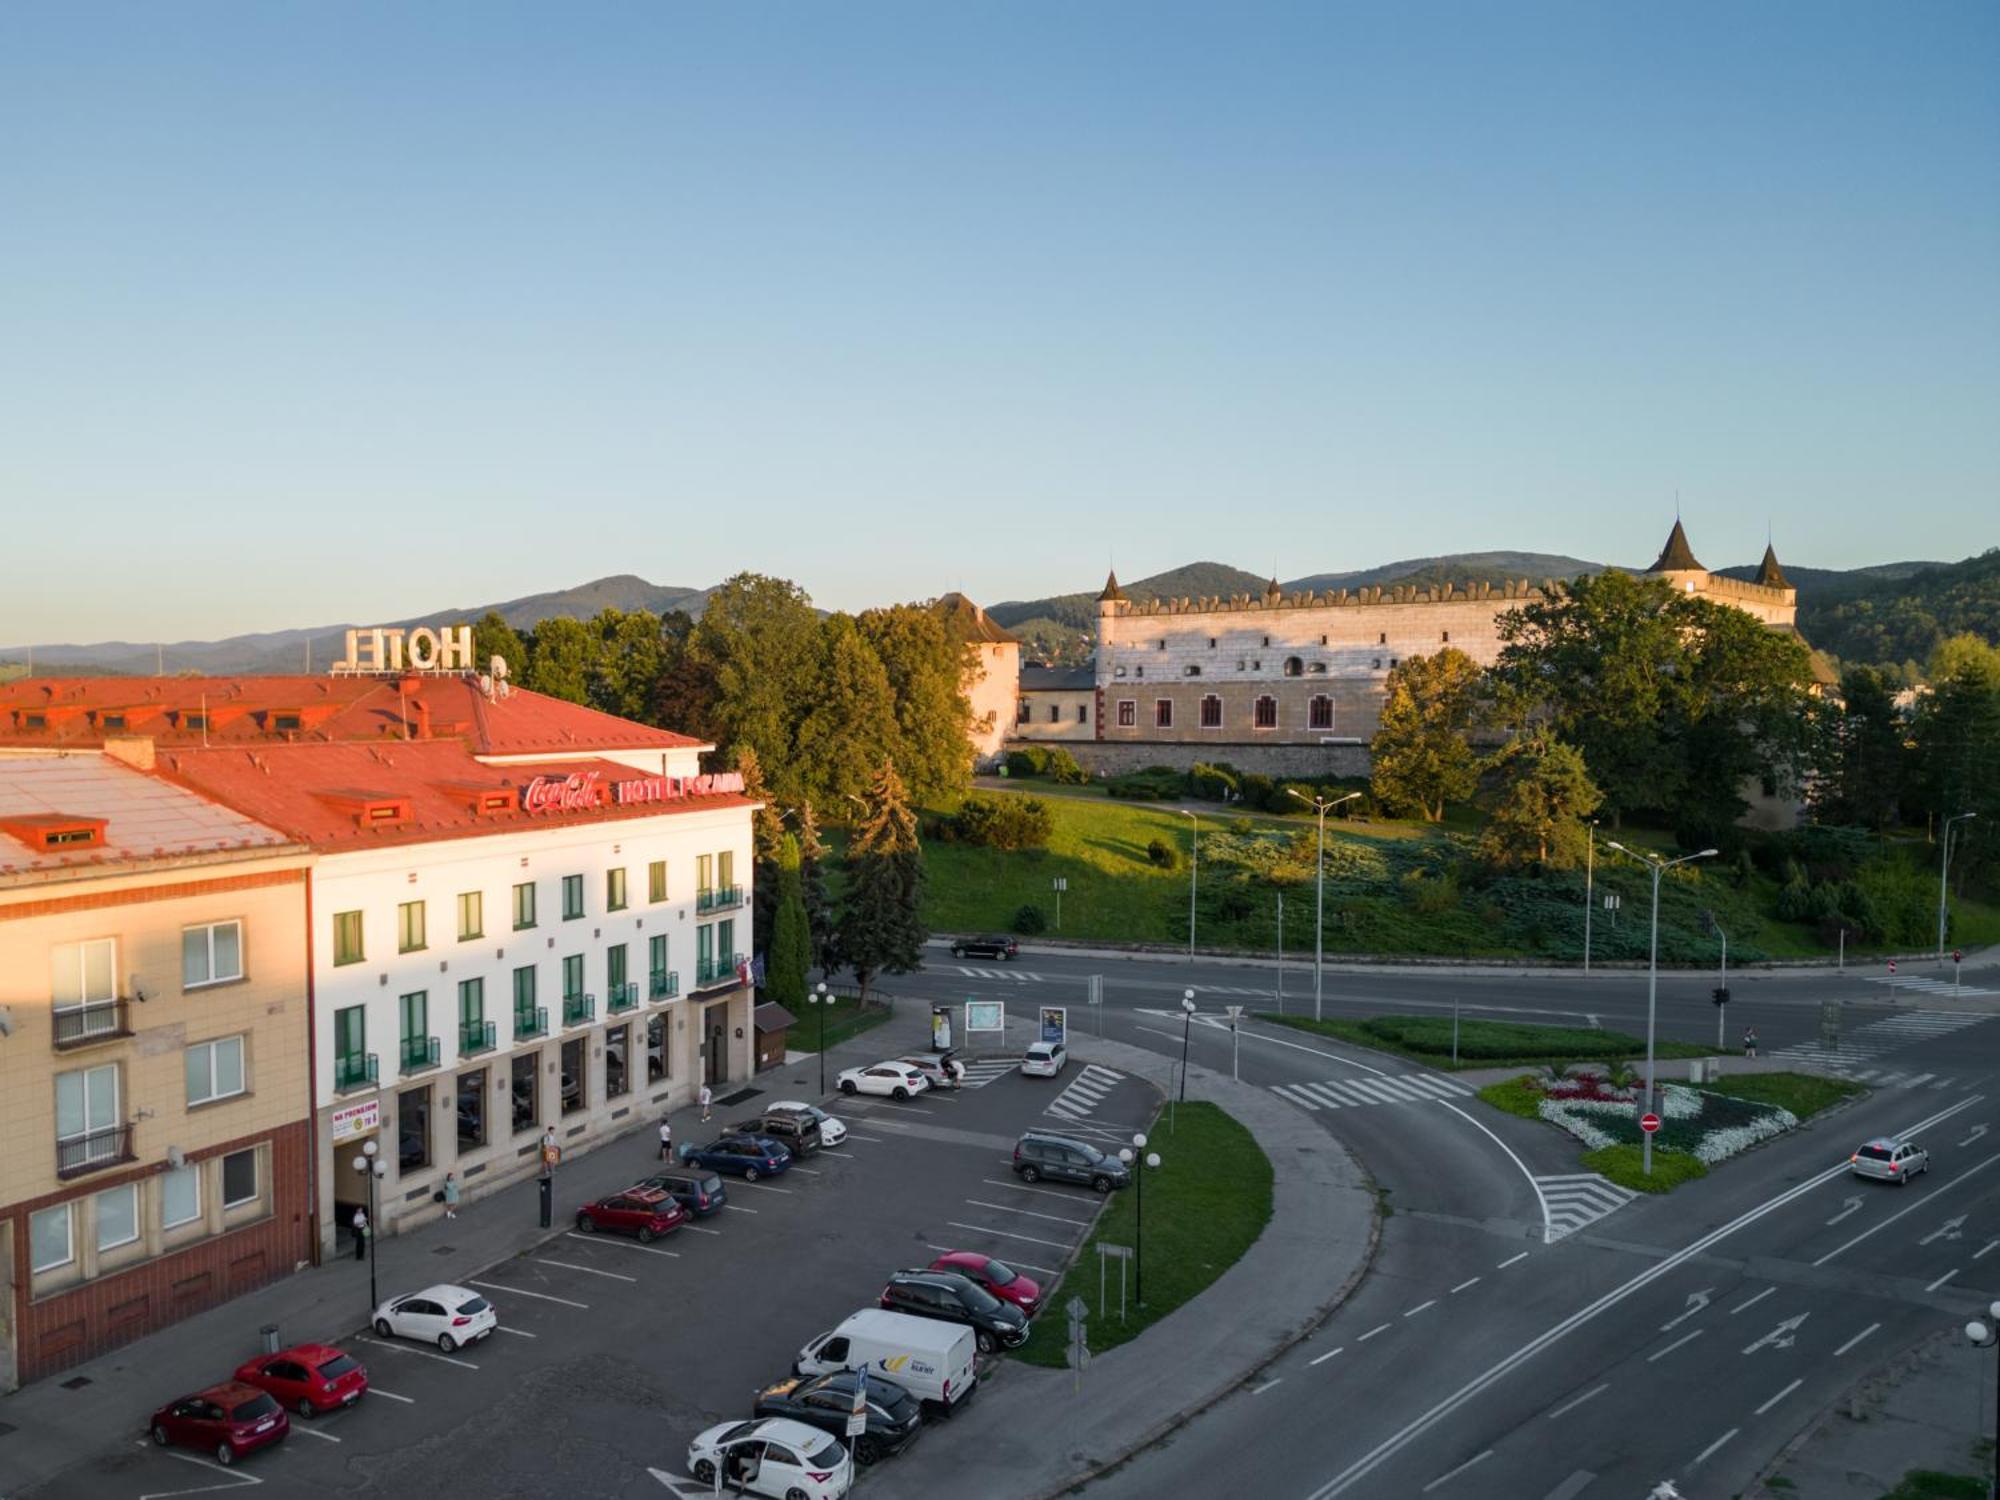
{"x":611,"y":1355}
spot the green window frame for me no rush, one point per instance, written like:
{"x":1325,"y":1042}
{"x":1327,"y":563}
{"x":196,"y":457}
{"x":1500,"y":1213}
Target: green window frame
{"x":725,"y":869}
{"x":350,"y":1032}
{"x":725,"y":941}
{"x":524,"y":989}
{"x":348,"y":947}
{"x":414,"y":1012}
{"x":572,"y":976}
{"x":656,"y":953}
{"x":614,"y":888}
{"x":471,"y":1001}
{"x":572,"y":893}
{"x":524,"y":905}
{"x":614,"y":966}
{"x":471,"y":915}
{"x":410,"y":927}
{"x":656,"y":880}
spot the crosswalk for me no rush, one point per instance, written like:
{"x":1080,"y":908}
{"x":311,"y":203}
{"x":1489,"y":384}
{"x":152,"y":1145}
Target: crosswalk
{"x":1577,"y":1199}
{"x":1342,"y":1093}
{"x":1013,"y":976}
{"x":1925,"y":984}
{"x":979,"y":1074}
{"x":1884,"y":1078}
{"x":1086,"y":1091}
{"x":1866,"y":1044}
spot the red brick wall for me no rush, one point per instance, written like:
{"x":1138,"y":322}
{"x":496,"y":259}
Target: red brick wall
{"x":98,"y":1316}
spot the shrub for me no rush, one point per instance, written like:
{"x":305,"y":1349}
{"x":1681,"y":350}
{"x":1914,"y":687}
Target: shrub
{"x":1062,"y":769}
{"x":1031,"y":761}
{"x":1429,"y":896}
{"x":1002,"y":823}
{"x":1163,"y":854}
{"x":1211,"y":783}
{"x":1256,"y":788}
{"x":1029,"y":920}
{"x":1153,"y":784}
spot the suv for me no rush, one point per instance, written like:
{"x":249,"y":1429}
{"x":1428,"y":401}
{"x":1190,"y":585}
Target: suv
{"x":647,"y":1212}
{"x":951,"y":1298}
{"x":985,"y":947}
{"x":796,"y":1133}
{"x":696,"y":1189}
{"x":943,"y":1069}
{"x":831,"y":1131}
{"x":1062,"y":1159}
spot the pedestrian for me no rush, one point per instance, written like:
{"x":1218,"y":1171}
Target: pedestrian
{"x":1749,"y":1041}
{"x":706,"y":1099}
{"x":666,"y":1139}
{"x":451,"y":1195}
{"x":360,"y":1234}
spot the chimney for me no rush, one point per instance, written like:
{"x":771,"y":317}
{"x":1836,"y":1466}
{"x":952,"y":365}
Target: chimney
{"x":423,"y":719}
{"x":136,"y":750}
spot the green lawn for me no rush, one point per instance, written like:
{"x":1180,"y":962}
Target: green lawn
{"x":1206,"y":1203}
{"x":1622,"y":1164}
{"x":843,"y":1019}
{"x":1804,"y":1094}
{"x":1484,"y":1044}
{"x":1931,"y":1484}
{"x":1515,"y":1096}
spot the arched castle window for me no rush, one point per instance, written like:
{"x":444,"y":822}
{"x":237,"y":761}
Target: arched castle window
{"x":1319,"y":712}
{"x":1192,"y":669}
{"x":1211,"y":712}
{"x":1265,"y":713}
{"x":1294,"y":667}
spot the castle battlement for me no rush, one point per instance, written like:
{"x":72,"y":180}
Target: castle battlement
{"x":1401,"y":593}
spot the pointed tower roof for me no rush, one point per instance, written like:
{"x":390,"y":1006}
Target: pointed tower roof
{"x":1273,"y":587}
{"x":1769,"y":573}
{"x":1111,"y":589}
{"x":1676,"y":556}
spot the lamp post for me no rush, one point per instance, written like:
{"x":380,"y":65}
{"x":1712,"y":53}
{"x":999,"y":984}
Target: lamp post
{"x":1138,"y":1159}
{"x":1659,"y":867}
{"x":1319,"y":805}
{"x":1944,"y":869}
{"x":1187,"y":1025}
{"x":1987,"y":1336}
{"x":1194,"y":873}
{"x":374,"y":1170}
{"x":818,"y":996}
{"x":1589,"y":892}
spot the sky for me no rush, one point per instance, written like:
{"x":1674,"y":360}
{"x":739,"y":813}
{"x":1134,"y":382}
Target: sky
{"x":317,"y":313}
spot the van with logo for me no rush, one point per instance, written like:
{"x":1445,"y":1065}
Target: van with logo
{"x":932,"y":1360}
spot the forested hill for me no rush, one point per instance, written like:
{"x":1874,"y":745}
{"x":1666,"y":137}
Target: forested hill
{"x":1895,"y":614}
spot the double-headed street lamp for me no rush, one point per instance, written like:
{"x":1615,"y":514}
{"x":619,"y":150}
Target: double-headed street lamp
{"x":1319,"y":805}
{"x":1659,"y":867}
{"x":1138,"y":1159}
{"x":1987,"y":1336}
{"x":371,"y":1167}
{"x":1194,"y":873}
{"x":1944,"y":868}
{"x":818,"y":996}
{"x":1187,"y":1025}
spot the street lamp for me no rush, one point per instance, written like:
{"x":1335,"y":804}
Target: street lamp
{"x":1194,"y":873}
{"x":1319,"y":805}
{"x":818,"y":996}
{"x":1659,"y":867}
{"x":1944,"y":868}
{"x":1187,"y":1025}
{"x":1589,"y":894}
{"x":1130,"y":1155}
{"x":1985,"y":1336}
{"x":368,"y":1166}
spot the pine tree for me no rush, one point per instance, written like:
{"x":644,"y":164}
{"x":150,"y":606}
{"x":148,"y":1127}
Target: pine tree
{"x":882,"y":929}
{"x":791,"y":945}
{"x":1538,"y":817}
{"x":820,"y":922}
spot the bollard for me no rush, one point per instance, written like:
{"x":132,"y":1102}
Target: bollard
{"x":269,"y":1334}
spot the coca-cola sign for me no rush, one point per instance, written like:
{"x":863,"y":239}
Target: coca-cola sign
{"x":583,"y":789}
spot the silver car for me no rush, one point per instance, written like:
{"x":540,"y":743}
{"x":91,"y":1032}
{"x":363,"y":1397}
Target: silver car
{"x":1891,"y":1161}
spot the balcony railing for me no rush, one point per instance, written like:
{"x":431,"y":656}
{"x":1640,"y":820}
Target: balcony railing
{"x":99,"y":1021}
{"x":718,"y":970}
{"x":419,"y":1052}
{"x":354,"y":1070}
{"x":622,"y":997}
{"x":474,"y":1036}
{"x":530,"y":1021}
{"x":718,"y":898}
{"x":579,"y":1010}
{"x":89,"y":1153}
{"x":665,"y":985}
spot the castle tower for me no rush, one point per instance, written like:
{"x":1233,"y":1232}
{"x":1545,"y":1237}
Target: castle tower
{"x":1678,"y":564}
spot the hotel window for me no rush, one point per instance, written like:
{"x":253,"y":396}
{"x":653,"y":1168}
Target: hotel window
{"x":1128,"y":713}
{"x":211,"y":954}
{"x":1211,"y":712}
{"x":87,"y":1115}
{"x":1319,"y":713}
{"x":347,"y":945}
{"x":527,"y":1089}
{"x":614,"y":889}
{"x":1266,"y":713}
{"x":614,"y":968}
{"x":704,"y":954}
{"x":725,"y":943}
{"x":524,"y":905}
{"x":471,"y":1110}
{"x":1163,"y":713}
{"x":214,"y":1070}
{"x":1055,"y":712}
{"x":180,"y":1196}
{"x":524,"y":1000}
{"x":471,"y":1014}
{"x":656,"y":961}
{"x":573,"y":977}
{"x":413,"y":1129}
{"x":1083,"y":713}
{"x":572,"y":889}
{"x":656,"y":1049}
{"x":656,"y":880}
{"x":239,"y":1178}
{"x":350,"y":1045}
{"x":617,"y":1045}
{"x":704,"y":874}
{"x":574,"y":1089}
{"x":471,"y":915}
{"x":414,"y":1013}
{"x":410,"y":927}
{"x":725,"y":869}
{"x":117,"y":1215}
{"x":49,"y":1238}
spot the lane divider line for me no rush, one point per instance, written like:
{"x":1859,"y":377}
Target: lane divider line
{"x":1923,"y":1202}
{"x":1709,"y":1452}
{"x":1779,"y":1397}
{"x":1570,"y":1406}
{"x":1453,"y":1474}
{"x":1382,"y":1328}
{"x":1462,"y":1286}
{"x":1942,"y":1279}
{"x":1739,"y":1307}
{"x":1686,"y":1338}
{"x":1856,"y":1339}
{"x":1506,"y":1263}
{"x":1326,"y":1356}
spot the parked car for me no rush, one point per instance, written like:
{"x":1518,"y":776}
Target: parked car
{"x":1063,"y":1159}
{"x":1044,"y":1060}
{"x":795,"y":1133}
{"x":696,"y":1189}
{"x":747,"y":1156}
{"x":999,"y":1278}
{"x":1890,"y":1161}
{"x":895,"y":1417}
{"x":227,"y":1420}
{"x":831,"y":1131}
{"x":772,"y":1456}
{"x":940,"y":1069}
{"x":445,"y":1315}
{"x":648,"y":1212}
{"x":951,"y":1298}
{"x":896,"y":1079}
{"x":308,"y":1378}
{"x":936,"y":1362}
{"x":985,"y":946}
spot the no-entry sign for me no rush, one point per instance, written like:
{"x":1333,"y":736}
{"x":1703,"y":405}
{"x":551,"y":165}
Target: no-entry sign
{"x":1649,"y":1123}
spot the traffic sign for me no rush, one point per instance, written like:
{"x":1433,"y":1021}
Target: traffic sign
{"x":1078,"y":1310}
{"x":1649,"y":1123}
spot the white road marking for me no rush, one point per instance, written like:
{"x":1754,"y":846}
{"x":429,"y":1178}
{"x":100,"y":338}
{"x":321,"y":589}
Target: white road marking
{"x":737,"y":1208}
{"x":1326,"y":1356}
{"x":1779,"y":1397}
{"x":1739,"y":1307}
{"x":825,"y":1151}
{"x":621,"y":1244}
{"x":514,"y":1291}
{"x":808,"y":1171}
{"x":1028,"y":1213}
{"x":764,"y":1187}
{"x":587,"y":1270}
{"x":1022,"y":1187}
{"x":1420,"y":1307}
{"x":302,"y":1430}
{"x":1686,"y":1338}
{"x":1923,"y":1202}
{"x":1570,"y":1406}
{"x":1383,"y":1328}
{"x":873,"y":1140}
{"x":1453,"y":1474}
{"x":1709,"y":1452}
{"x":1258,"y":1390}
{"x":376,"y":1390}
{"x":1984,"y":1248}
{"x":1462,"y":1286}
{"x":1019,"y":1265}
{"x":698,"y":1229}
{"x":1506,"y":1263}
{"x":1856,"y":1339}
{"x":239,"y":1480}
{"x":1539,"y":1197}
{"x":1007,"y":1234}
{"x":517,"y":1332}
{"x":443,"y":1359}
{"x":1942,"y":1279}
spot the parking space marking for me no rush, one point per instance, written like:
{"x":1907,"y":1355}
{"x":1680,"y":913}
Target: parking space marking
{"x":243,"y":1481}
{"x":313,"y":1432}
{"x":376,"y":1390}
{"x":587,"y":1270}
{"x":1028,"y":1212}
{"x":517,"y":1332}
{"x":809,"y":1171}
{"x":737,"y":1208}
{"x":1021,"y":1187}
{"x":621,"y":1244}
{"x":443,"y":1359}
{"x":514,"y":1291}
{"x":763,"y":1187}
{"x":1006,"y":1234}
{"x":843,"y":1155}
{"x":873,"y":1140}
{"x":1019,"y":1265}
{"x":698,"y":1229}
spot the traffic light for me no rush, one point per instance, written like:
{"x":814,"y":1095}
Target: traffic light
{"x":1720,"y":994}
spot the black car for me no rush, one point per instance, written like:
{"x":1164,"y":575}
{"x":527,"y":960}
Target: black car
{"x":985,"y":946}
{"x":1063,"y":1159}
{"x":696,"y":1189}
{"x":953,"y":1298}
{"x":797,"y":1133}
{"x":895,"y":1417}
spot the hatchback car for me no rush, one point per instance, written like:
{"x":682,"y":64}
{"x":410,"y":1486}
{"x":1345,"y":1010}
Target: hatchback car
{"x":647,"y":1212}
{"x":696,"y":1189}
{"x":898,"y":1080}
{"x":1890,"y":1161}
{"x":747,"y":1156}
{"x":986,"y":945}
{"x":308,"y":1378}
{"x":1061,"y":1159}
{"x":999,"y":1278}
{"x":227,"y":1421}
{"x":831,"y":1131}
{"x":940,"y":1070}
{"x":951,"y":1298}
{"x":795,"y":1133}
{"x":895,"y":1417}
{"x":1044,"y":1060}
{"x":445,"y":1315}
{"x":772,"y":1456}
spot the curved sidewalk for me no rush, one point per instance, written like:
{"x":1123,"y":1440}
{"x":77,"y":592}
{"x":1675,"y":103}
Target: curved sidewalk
{"x":1031,"y":1435}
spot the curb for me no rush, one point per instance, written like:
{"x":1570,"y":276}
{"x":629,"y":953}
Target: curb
{"x":1759,"y":1484}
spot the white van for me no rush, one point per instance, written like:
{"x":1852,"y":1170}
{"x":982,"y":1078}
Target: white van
{"x":932,"y":1360}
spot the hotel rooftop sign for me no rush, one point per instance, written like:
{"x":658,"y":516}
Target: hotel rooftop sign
{"x":586,"y":789}
{"x":387,"y":648}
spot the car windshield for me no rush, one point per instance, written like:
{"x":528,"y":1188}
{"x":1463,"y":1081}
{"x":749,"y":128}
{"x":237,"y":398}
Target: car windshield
{"x":1875,"y":1153}
{"x":829,"y":1457}
{"x":977,"y":1298}
{"x":339,"y":1365}
{"x":1000,"y":1275}
{"x":255,"y":1409}
{"x":473,"y":1305}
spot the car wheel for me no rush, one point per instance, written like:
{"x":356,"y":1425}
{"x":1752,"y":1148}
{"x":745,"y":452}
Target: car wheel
{"x":704,"y":1472}
{"x":847,"y":1085}
{"x":749,"y":1174}
{"x":224,"y":1454}
{"x":159,"y":1435}
{"x":447,"y":1343}
{"x":645,"y":1236}
{"x":985,"y":1341}
{"x":586,"y":1224}
{"x":1030,"y":1174}
{"x":307,"y":1409}
{"x":867,"y":1450}
{"x":1101,"y":1183}
{"x":382,"y":1329}
{"x":900,"y":1093}
{"x":957,"y":952}
{"x":795,"y":1493}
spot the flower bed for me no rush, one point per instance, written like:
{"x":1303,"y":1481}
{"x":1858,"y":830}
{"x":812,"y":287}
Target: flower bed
{"x":1709,"y":1127}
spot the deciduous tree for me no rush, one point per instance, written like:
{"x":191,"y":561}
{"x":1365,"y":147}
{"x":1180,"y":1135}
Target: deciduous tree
{"x":1537,"y":817}
{"x":757,"y":644}
{"x":849,"y":725}
{"x":1423,"y":756}
{"x":882,"y":927}
{"x":791,"y":947}
{"x":926,"y":667}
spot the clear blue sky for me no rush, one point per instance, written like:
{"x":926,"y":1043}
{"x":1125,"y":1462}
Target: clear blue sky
{"x":317,"y":312}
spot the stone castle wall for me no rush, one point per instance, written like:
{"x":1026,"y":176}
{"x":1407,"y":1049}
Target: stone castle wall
{"x":1268,"y":757}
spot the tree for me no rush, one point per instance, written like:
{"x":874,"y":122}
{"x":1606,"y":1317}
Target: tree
{"x":561,"y":654}
{"x":1537,"y":817}
{"x":882,"y":929}
{"x":927,"y":670}
{"x":1423,"y":756}
{"x":625,"y":669}
{"x":1957,"y":732}
{"x":849,"y":726}
{"x":820,"y":921}
{"x":790,"y":952}
{"x":492,"y":637}
{"x":767,"y":835}
{"x":1860,"y":753}
{"x":684,"y":691}
{"x":756,"y":646}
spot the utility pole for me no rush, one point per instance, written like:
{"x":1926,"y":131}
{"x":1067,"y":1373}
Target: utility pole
{"x":1589,"y":890}
{"x":1944,"y":869}
{"x":1319,"y":805}
{"x":1281,"y":953}
{"x":1194,"y":874}
{"x":1658,"y":867}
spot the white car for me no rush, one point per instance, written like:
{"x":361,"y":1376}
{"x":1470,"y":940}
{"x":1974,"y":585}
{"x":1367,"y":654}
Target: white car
{"x":943,"y":1072}
{"x":1044,"y":1060}
{"x":831,"y":1131}
{"x":445,"y":1315}
{"x":896,"y":1079}
{"x":771,"y":1456}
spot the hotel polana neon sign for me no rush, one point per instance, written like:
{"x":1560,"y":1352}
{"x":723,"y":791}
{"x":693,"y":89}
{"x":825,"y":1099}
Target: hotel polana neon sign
{"x":583,"y":789}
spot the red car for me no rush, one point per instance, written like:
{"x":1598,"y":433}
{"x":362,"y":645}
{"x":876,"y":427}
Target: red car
{"x":226,"y":1420}
{"x":999,"y":1278}
{"x":308,"y":1378}
{"x":644,"y":1211}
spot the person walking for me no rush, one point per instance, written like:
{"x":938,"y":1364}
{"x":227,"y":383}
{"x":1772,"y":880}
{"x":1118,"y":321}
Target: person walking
{"x":707,"y":1099}
{"x":1749,"y":1041}
{"x":360,"y":1222}
{"x":666,"y":1139}
{"x":451,"y":1195}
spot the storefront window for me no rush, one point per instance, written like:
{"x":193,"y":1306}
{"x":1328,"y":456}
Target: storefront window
{"x":527,"y":1088}
{"x":472,"y":1109}
{"x":413,"y":1129}
{"x":573,"y":1090}
{"x":617,"y":1044}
